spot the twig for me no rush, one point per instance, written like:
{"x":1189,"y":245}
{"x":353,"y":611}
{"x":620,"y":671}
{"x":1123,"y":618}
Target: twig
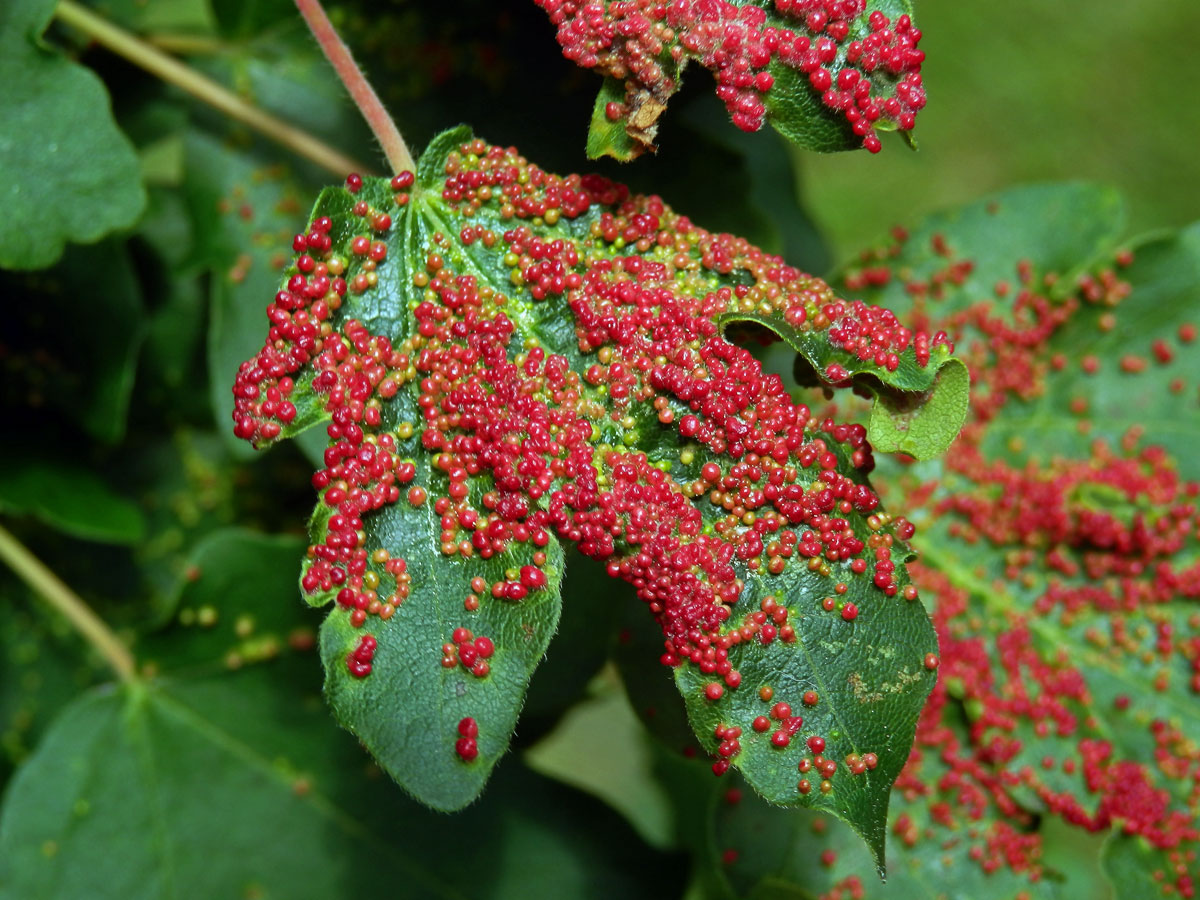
{"x":203,"y":88}
{"x":35,"y":574}
{"x":360,"y":89}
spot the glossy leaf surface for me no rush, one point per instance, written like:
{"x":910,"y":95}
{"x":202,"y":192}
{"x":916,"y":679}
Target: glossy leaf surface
{"x":508,"y":359}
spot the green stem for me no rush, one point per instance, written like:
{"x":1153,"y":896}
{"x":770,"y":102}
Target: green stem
{"x":360,"y":89}
{"x":34,"y":573}
{"x":172,"y":71}
{"x":185,"y":44}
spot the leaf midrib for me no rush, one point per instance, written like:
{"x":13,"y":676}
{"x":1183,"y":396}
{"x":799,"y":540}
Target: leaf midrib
{"x":140,"y":736}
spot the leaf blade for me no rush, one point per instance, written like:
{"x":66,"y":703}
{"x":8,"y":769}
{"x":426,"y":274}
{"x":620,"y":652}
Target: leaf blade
{"x":487,"y":353}
{"x":78,"y":149}
{"x":1050,"y":604}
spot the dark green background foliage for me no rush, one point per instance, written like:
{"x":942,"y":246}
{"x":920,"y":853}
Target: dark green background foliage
{"x":224,"y":775}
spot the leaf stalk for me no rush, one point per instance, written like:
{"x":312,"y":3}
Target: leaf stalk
{"x":364,"y":96}
{"x":50,"y":587}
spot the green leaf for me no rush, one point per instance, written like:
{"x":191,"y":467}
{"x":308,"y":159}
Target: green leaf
{"x":869,"y":681}
{"x":1132,"y":864}
{"x":408,"y":710}
{"x":941,"y":848}
{"x":232,"y":605}
{"x":579,"y":752}
{"x":1058,"y":535}
{"x":755,"y":850}
{"x":175,"y":335}
{"x":246,"y":205}
{"x":504,"y":357}
{"x":799,"y":113}
{"x":922,"y":425}
{"x":143,"y":792}
{"x":1078,"y":431}
{"x":800,"y":116}
{"x":66,"y":496}
{"x":920,"y":401}
{"x":1130,"y":362}
{"x":431,"y":165}
{"x":59,"y":141}
{"x":245,"y":211}
{"x":768,"y":60}
{"x":43,"y":666}
{"x":947,"y":261}
{"x":186,"y":485}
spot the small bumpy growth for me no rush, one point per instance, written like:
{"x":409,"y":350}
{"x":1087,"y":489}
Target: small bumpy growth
{"x":863,"y":65}
{"x":1066,"y":586}
{"x":518,"y":358}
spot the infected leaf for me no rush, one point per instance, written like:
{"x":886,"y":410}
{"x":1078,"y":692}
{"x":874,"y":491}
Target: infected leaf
{"x":828,"y":74}
{"x":1059,"y":534}
{"x":508,"y":359}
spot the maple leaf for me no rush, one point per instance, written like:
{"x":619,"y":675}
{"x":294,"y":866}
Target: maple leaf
{"x":827,"y":74}
{"x":509,"y":360}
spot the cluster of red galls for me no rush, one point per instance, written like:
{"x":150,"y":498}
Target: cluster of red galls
{"x":471,"y":652}
{"x":530,"y":424}
{"x":1112,"y":577}
{"x":868,"y":72}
